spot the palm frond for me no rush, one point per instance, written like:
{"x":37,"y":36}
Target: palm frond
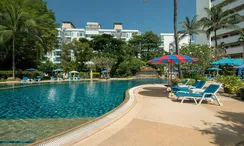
{"x":3,"y":27}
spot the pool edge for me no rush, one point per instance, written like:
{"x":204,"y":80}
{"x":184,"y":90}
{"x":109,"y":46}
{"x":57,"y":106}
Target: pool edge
{"x":128,"y":96}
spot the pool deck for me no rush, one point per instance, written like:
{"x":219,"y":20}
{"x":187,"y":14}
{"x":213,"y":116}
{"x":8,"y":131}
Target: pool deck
{"x":157,"y":120}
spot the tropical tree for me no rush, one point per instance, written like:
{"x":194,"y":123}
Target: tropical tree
{"x":103,"y":62}
{"x":176,"y":33}
{"x":14,"y":22}
{"x":217,"y":19}
{"x":202,"y":52}
{"x":81,"y":51}
{"x":190,"y":27}
{"x":145,"y":44}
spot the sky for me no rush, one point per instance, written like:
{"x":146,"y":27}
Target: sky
{"x":155,"y":15}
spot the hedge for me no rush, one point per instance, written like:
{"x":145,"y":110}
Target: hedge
{"x":20,"y":74}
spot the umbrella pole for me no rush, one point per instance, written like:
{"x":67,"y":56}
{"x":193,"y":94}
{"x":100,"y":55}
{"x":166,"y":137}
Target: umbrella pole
{"x":171,"y":74}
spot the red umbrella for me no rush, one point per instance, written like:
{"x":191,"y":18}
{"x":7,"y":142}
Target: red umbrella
{"x":172,"y":59}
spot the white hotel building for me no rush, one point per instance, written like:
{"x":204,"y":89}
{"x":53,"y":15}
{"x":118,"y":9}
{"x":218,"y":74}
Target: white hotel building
{"x":168,"y":41}
{"x":68,"y":32}
{"x":227,"y":37}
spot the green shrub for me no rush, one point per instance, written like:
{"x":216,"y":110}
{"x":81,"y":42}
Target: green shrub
{"x":200,"y":77}
{"x":20,"y":74}
{"x":2,"y":80}
{"x":84,"y":74}
{"x":176,"y":80}
{"x":192,"y":81}
{"x":231,"y":84}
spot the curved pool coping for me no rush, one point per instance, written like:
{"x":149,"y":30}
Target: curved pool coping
{"x":86,"y":130}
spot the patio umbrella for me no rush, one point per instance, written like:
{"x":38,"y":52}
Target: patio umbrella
{"x":241,"y":66}
{"x":228,"y":61}
{"x":58,"y":70}
{"x":172,"y":59}
{"x":215,"y":68}
{"x":31,"y":69}
{"x":73,"y":72}
{"x":239,"y":69}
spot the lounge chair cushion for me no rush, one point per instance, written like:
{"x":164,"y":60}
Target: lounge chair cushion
{"x":180,"y":94}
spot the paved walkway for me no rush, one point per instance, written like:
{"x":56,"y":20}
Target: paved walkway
{"x":158,"y":121}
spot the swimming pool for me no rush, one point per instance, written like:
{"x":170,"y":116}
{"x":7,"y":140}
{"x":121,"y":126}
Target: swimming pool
{"x":68,"y":101}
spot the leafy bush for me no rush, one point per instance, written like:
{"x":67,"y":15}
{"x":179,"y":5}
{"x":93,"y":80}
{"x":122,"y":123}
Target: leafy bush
{"x":232,"y":84}
{"x":130,"y":67}
{"x":192,"y":81}
{"x":20,"y":74}
{"x":84,"y":74}
{"x":200,"y":77}
{"x":2,"y":80}
{"x":176,"y":80}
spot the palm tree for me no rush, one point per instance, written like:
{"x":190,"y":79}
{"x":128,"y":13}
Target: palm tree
{"x":190,"y":27}
{"x":14,"y":22}
{"x":176,"y":33}
{"x":175,"y":26}
{"x":218,"y":19}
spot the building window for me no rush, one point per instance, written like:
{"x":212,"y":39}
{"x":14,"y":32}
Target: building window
{"x":125,"y":35}
{"x":67,"y":40}
{"x":90,"y":35}
{"x":57,"y":59}
{"x":59,"y":47}
{"x":60,"y":40}
{"x":57,"y":53}
{"x":80,"y":33}
{"x":162,"y":37}
{"x":68,"y":33}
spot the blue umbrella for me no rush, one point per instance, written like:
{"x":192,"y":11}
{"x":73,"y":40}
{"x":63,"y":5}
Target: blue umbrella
{"x":31,"y":69}
{"x":214,"y":68}
{"x":228,"y":61}
{"x":58,"y":70}
{"x":239,"y":72}
{"x":105,"y":71}
{"x":241,"y":66}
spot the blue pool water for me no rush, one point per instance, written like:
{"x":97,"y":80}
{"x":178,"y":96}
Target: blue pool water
{"x":65,"y":100}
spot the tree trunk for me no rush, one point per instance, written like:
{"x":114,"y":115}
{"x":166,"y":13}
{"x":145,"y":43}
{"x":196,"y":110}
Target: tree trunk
{"x":13,"y":57}
{"x":91,"y":75}
{"x":175,"y":33}
{"x":216,"y":44}
{"x":148,"y":50}
{"x":175,"y":27}
{"x":190,"y":39}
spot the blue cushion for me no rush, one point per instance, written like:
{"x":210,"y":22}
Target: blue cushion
{"x":180,"y":89}
{"x":200,"y":84}
{"x":188,"y":94}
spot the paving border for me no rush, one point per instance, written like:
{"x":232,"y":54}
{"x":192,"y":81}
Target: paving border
{"x":86,"y":130}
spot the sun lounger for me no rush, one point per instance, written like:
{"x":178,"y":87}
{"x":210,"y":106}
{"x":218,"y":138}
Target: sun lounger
{"x":185,"y":88}
{"x":38,"y":79}
{"x":183,"y":84}
{"x":25,"y":80}
{"x":53,"y":78}
{"x":209,"y":93}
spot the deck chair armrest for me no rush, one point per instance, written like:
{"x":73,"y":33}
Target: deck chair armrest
{"x":196,"y":90}
{"x":182,"y":92}
{"x":207,"y":94}
{"x":182,"y":85}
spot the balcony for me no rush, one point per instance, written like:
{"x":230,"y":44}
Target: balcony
{"x":216,"y":2}
{"x":227,"y":40}
{"x":222,"y":31}
{"x":233,"y":5}
{"x":234,"y":50}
